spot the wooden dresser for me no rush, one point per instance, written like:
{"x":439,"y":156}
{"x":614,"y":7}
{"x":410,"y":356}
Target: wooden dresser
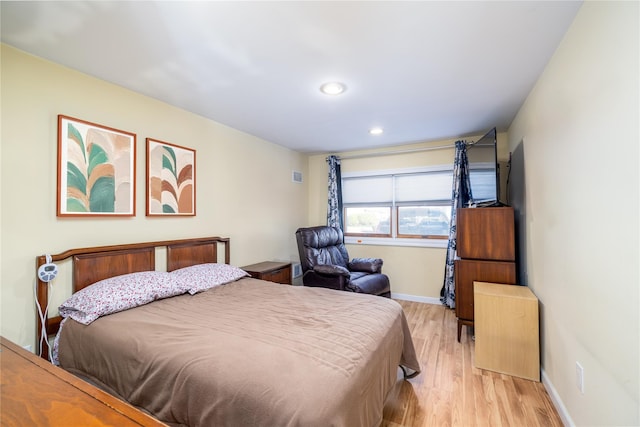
{"x":272,"y":271}
{"x":34,"y":392}
{"x":486,"y":246}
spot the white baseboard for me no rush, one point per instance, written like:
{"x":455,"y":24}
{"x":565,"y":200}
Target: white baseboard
{"x":555,"y":399}
{"x":415,"y":298}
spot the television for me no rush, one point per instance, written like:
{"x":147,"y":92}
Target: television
{"x":483,"y":170}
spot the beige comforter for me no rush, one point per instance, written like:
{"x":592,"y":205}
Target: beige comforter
{"x":249,"y":353}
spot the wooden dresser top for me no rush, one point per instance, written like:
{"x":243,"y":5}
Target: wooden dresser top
{"x":34,"y":392}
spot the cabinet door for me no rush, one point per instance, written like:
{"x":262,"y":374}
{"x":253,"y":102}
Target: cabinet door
{"x":486,"y":233}
{"x":468,"y":271}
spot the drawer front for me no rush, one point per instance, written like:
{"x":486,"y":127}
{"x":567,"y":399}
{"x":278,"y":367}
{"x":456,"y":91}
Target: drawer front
{"x":281,"y":275}
{"x":468,"y":271}
{"x":486,"y":234}
{"x":277,"y":272}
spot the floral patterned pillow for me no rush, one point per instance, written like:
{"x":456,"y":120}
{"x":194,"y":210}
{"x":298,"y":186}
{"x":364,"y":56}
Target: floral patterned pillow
{"x":119,"y":293}
{"x":201,"y":277}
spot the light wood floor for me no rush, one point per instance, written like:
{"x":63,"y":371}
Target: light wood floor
{"x":450,"y":391}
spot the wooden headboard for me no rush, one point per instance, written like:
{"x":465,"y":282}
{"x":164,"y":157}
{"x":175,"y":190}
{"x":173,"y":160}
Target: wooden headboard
{"x":97,"y":263}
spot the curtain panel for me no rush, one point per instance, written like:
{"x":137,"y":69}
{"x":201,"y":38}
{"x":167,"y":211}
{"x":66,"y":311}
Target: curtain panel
{"x":334,"y":206}
{"x":461,"y":196}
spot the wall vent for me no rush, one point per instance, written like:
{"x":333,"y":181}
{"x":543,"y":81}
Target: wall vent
{"x":296,"y":270}
{"x":296,"y":176}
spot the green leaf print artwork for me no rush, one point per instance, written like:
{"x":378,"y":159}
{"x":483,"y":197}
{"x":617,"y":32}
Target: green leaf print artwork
{"x":90,"y":185}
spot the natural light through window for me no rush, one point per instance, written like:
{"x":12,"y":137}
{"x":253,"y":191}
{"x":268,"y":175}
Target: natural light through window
{"x":391,"y":207}
{"x":370,"y":221}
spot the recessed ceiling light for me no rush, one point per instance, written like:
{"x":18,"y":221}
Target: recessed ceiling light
{"x":333,"y":88}
{"x":376,"y":131}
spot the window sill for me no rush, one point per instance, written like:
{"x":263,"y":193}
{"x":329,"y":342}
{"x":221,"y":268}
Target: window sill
{"x":389,"y":241}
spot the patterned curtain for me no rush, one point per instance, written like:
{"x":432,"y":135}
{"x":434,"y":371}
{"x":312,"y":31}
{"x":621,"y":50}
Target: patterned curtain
{"x":334,"y":207}
{"x":461,"y":196}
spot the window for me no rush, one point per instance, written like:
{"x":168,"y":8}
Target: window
{"x":399,"y":204}
{"x":368,"y":221}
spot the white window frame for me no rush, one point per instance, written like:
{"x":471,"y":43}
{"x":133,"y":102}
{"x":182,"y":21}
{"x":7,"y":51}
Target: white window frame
{"x":394,"y":240}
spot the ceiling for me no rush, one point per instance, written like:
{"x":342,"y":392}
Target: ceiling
{"x":422,"y":70}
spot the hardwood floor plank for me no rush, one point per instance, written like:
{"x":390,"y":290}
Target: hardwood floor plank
{"x":451,"y":391}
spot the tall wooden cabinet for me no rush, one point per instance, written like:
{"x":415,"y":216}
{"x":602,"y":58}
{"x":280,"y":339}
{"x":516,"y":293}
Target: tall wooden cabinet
{"x":486,"y":248}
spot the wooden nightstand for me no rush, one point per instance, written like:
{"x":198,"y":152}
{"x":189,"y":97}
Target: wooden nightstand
{"x":279,"y":272}
{"x":507,"y":331}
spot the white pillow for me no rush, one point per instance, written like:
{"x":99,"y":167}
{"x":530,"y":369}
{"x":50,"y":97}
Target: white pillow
{"x":201,"y":277}
{"x":119,"y":293}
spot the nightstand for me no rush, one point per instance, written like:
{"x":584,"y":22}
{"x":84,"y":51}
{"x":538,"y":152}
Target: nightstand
{"x":272,"y":271}
{"x":507,"y":331}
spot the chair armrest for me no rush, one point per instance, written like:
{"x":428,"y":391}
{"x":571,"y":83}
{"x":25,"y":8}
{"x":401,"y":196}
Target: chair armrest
{"x":331,"y":270}
{"x":366,"y":265}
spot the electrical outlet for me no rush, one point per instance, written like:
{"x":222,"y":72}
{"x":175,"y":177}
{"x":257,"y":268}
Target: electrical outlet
{"x":580,"y":377}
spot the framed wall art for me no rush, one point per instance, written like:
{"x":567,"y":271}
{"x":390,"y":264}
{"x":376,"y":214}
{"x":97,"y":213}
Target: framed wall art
{"x":171,"y":179}
{"x":96,"y":169}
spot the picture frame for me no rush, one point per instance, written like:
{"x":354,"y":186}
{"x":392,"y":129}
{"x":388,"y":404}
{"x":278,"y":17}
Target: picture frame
{"x":171,"y":179}
{"x":96,"y":170}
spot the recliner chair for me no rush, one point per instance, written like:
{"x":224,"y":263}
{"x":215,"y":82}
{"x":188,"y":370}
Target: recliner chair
{"x":325,"y":263}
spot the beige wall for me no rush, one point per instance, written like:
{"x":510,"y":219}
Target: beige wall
{"x":413,"y":271}
{"x":580,"y":126}
{"x":244,"y":186}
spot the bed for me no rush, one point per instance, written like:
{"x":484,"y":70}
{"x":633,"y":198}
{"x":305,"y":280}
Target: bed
{"x":243,"y":353}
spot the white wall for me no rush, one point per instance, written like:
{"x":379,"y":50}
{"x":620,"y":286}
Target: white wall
{"x":244,"y":187}
{"x":580,"y":126}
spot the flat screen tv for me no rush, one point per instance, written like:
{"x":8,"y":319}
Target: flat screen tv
{"x":483,"y":170}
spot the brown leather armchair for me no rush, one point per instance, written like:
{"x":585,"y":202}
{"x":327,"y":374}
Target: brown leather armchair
{"x":325,"y":263}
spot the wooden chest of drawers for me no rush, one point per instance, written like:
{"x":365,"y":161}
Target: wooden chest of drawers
{"x":34,"y":392}
{"x":279,"y":272}
{"x":486,"y":247}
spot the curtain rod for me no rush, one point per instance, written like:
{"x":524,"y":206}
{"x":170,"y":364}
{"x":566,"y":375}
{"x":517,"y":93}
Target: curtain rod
{"x":391,"y":153}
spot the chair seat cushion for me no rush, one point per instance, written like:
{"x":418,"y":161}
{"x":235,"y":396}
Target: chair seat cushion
{"x":355,"y":275}
{"x":376,"y":284}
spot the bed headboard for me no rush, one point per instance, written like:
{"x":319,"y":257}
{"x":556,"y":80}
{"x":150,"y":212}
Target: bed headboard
{"x":92,"y":267}
{"x":185,"y":254}
{"x":97,"y":263}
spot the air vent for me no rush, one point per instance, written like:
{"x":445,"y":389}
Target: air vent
{"x":296,"y":176}
{"x":296,"y":271}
